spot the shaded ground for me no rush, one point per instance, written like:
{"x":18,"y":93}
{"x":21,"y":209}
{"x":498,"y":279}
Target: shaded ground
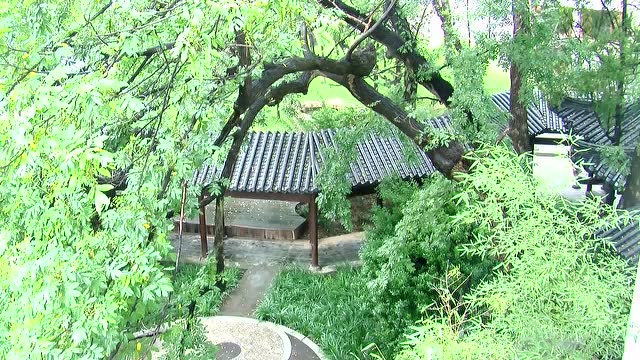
{"x":246,"y":253}
{"x":300,"y":350}
{"x":271,"y":214}
{"x":268,"y":214}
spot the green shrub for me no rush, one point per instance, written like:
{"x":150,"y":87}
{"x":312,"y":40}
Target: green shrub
{"x":199,"y":284}
{"x":414,"y":242}
{"x":193,"y":284}
{"x":559,"y":292}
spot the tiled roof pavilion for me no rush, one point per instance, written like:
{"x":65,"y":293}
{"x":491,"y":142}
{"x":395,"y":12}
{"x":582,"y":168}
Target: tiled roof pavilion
{"x":288,"y":162}
{"x":284,"y":166}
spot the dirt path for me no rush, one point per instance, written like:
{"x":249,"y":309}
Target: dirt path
{"x":244,"y":299}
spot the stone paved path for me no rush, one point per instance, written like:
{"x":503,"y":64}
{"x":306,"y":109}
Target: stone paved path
{"x":244,"y":299}
{"x":262,"y":260}
{"x":300,"y":351}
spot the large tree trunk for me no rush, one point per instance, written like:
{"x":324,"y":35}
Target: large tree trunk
{"x":620,"y":83}
{"x":447,"y":160}
{"x":396,"y":47}
{"x":518,"y":122}
{"x":518,"y":128}
{"x":631,"y":194}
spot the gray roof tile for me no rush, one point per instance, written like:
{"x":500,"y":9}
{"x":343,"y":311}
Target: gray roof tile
{"x":288,"y":162}
{"x":541,"y":117}
{"x":582,"y":120}
{"x":625,"y":239}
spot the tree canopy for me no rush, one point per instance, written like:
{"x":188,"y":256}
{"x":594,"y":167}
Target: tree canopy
{"x":107,"y":107}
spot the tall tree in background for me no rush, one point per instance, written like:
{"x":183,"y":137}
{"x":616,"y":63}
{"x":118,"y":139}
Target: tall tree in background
{"x":609,"y":49}
{"x":628,"y":56}
{"x":518,"y":129}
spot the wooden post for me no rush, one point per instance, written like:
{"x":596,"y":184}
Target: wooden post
{"x":218,"y":234}
{"x":590,"y":181}
{"x":313,"y":230}
{"x":203,"y":230}
{"x":610,"y":191}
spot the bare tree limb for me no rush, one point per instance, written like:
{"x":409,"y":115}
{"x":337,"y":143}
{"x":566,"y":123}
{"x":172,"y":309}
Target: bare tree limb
{"x":370,"y":30}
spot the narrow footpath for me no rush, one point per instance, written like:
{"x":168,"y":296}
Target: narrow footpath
{"x":262,"y":260}
{"x":244,"y":299}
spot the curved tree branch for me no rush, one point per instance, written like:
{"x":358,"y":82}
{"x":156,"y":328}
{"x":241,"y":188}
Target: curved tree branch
{"x":362,"y":63}
{"x":447,"y":159}
{"x":274,"y":96}
{"x":395,"y":44}
{"x":370,"y":30}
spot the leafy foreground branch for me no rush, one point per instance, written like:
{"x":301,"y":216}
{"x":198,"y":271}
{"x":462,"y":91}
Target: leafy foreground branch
{"x":550,"y":289}
{"x":198,"y":291}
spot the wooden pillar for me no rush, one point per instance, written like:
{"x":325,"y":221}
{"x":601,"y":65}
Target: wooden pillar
{"x":588,"y":192}
{"x":313,"y":230}
{"x":610,"y":193}
{"x":218,"y":234}
{"x":203,"y":230}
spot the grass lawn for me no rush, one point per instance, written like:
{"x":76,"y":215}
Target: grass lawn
{"x":496,"y":79}
{"x":330,"y":309}
{"x":323,"y":89}
{"x":269,"y":120}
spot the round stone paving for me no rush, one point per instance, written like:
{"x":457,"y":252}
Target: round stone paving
{"x":239,"y":338}
{"x":254,"y":340}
